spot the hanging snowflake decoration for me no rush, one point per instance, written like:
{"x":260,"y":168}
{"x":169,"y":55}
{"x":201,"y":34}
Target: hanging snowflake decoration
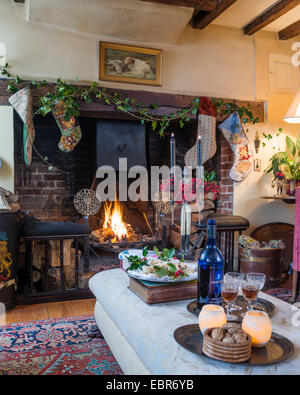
{"x":86,"y":202}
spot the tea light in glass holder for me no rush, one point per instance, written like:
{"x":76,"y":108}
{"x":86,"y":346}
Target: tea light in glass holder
{"x":258,"y":325}
{"x":211,"y":316}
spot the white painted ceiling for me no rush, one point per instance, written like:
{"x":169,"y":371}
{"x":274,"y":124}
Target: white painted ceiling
{"x":132,"y":20}
{"x":139,"y":21}
{"x":244,"y":11}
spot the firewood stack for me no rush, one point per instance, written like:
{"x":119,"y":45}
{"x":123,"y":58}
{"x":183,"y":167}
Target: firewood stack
{"x":53,"y":272}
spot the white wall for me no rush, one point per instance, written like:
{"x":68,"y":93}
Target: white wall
{"x":6,"y":148}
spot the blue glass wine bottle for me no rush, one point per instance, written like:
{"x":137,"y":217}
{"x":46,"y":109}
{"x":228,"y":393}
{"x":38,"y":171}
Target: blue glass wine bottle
{"x":210,"y":270}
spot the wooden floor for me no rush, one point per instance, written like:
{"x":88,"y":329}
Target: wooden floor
{"x":45,"y":311}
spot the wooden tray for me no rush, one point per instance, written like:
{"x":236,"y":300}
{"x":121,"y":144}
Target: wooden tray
{"x":277,"y":350}
{"x":264,"y":305}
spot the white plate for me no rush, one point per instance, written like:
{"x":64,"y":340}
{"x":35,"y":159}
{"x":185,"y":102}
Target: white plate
{"x":150,"y":277}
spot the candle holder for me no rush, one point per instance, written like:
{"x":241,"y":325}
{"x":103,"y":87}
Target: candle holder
{"x":211,"y":316}
{"x":258,"y":325}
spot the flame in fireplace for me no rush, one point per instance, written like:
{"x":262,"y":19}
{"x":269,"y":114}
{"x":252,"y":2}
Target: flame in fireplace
{"x":113,"y":219}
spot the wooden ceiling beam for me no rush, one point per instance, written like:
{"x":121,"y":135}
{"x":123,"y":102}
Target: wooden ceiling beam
{"x":205,"y":5}
{"x":201,"y":19}
{"x":270,"y":15}
{"x":290,"y":31}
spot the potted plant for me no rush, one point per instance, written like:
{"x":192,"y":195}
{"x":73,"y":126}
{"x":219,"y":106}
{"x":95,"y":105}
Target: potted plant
{"x":287,"y":164}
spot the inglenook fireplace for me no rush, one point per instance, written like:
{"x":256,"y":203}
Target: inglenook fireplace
{"x":48,"y":192}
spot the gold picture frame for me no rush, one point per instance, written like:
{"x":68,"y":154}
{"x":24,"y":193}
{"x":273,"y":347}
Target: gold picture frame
{"x":130,"y":64}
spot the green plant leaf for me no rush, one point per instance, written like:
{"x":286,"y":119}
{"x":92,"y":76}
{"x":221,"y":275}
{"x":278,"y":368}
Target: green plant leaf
{"x":145,"y":252}
{"x":172,"y":268}
{"x":290,"y":145}
{"x":298,"y":144}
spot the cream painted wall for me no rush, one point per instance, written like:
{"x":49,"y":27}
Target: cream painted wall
{"x":7,"y":148}
{"x":218,"y":61}
{"x":247,"y":194}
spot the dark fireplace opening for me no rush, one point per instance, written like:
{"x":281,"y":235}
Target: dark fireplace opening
{"x":48,"y":192}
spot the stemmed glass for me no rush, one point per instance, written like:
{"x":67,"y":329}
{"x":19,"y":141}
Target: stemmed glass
{"x":250,"y":291}
{"x":238,"y":278}
{"x":230,"y":290}
{"x":260,"y":279}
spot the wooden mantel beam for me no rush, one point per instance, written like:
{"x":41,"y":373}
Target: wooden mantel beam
{"x":205,"y":5}
{"x":290,"y":31}
{"x":201,"y":19}
{"x":270,"y":15}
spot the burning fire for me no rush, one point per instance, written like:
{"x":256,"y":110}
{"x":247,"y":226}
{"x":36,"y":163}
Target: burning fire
{"x":113,"y":219}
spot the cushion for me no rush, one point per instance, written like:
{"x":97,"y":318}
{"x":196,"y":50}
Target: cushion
{"x":32,"y":227}
{"x":226,"y":222}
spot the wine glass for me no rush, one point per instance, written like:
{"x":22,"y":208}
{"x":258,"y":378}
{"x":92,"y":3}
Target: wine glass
{"x":260,"y":279}
{"x":230,"y":290}
{"x":250,"y":291}
{"x":238,"y":278}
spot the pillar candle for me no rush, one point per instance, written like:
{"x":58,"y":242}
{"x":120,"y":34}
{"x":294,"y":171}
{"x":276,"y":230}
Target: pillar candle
{"x":173,"y":159}
{"x":199,"y":151}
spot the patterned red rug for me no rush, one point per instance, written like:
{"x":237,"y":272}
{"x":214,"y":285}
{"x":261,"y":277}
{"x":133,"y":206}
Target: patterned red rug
{"x":281,"y":293}
{"x":55,"y":347}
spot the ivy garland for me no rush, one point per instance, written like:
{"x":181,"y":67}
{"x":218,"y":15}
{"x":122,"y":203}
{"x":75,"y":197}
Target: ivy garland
{"x":73,"y":95}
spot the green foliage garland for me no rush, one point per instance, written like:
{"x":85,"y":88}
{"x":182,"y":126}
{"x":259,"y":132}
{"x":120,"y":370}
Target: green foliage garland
{"x":73,"y":95}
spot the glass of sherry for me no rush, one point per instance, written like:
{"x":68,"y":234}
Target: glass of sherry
{"x":238,"y":278}
{"x":250,"y":291}
{"x":230,"y":292}
{"x":260,"y":279}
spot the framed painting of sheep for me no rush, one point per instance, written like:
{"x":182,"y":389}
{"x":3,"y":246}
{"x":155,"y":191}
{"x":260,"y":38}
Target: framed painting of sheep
{"x":129,"y":64}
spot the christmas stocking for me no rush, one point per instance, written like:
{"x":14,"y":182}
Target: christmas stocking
{"x":22,"y":103}
{"x":70,"y":130}
{"x":207,"y":131}
{"x":233,"y":132}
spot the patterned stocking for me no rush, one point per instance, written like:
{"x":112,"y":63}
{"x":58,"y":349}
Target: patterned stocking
{"x":70,"y":130}
{"x":233,"y":132}
{"x":22,"y":103}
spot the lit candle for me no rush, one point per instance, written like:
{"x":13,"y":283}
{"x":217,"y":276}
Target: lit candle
{"x":199,"y":175}
{"x":172,"y":173}
{"x":211,"y":316}
{"x":258,"y":325}
{"x":199,"y":151}
{"x":173,"y":156}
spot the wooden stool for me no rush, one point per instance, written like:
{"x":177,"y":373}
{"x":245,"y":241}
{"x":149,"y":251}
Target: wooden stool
{"x":227,"y":226}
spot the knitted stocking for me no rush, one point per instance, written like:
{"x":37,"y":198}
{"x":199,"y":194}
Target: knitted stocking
{"x":70,"y":130}
{"x":233,"y":132}
{"x":207,"y":131}
{"x":22,"y":103}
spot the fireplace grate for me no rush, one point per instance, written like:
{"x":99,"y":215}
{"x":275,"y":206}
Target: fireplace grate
{"x":125,"y":244}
